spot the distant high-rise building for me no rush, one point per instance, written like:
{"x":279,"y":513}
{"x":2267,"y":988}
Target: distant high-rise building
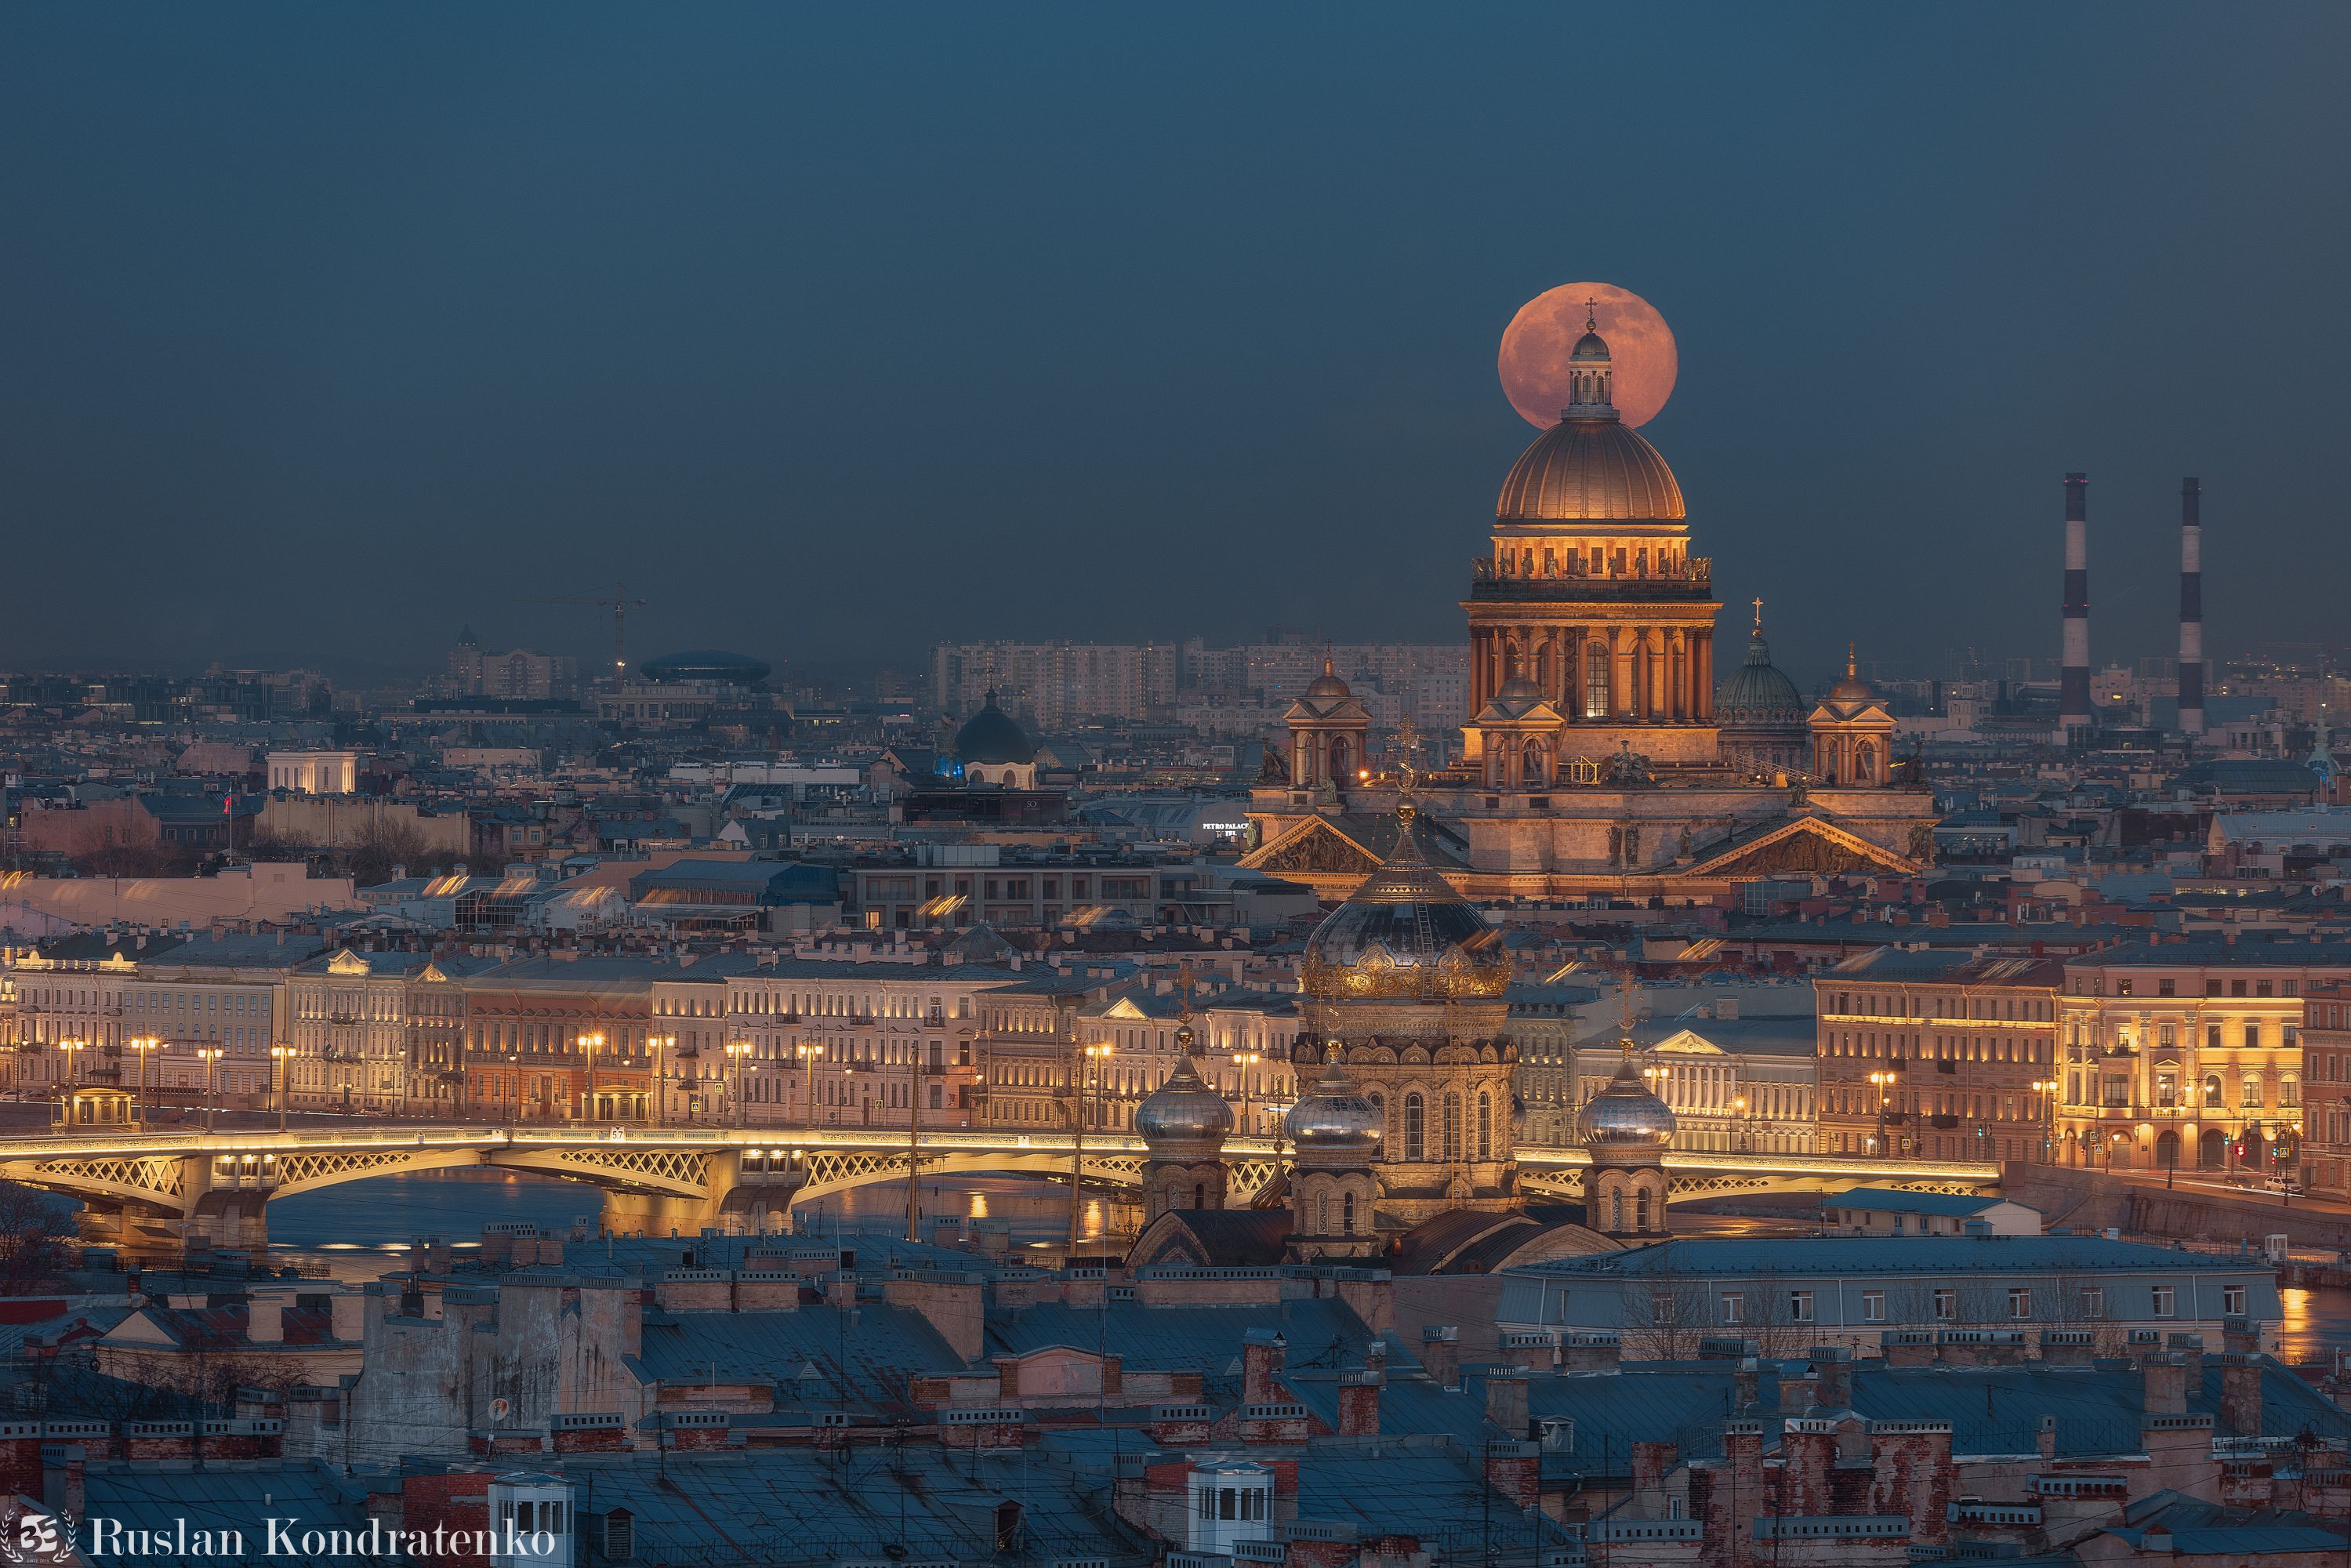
{"x":2074,"y":713}
{"x":516,"y":672}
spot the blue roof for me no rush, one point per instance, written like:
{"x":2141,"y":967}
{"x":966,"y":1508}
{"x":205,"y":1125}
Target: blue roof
{"x":1893,"y":1200}
{"x":1206,"y":1340}
{"x":863,"y":1364}
{"x":1713,"y":1256}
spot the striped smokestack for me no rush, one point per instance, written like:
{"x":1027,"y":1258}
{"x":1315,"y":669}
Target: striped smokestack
{"x":2191,"y":609}
{"x":2073,"y":677}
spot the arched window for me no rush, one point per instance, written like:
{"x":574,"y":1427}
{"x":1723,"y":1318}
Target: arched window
{"x":2252,"y":1095}
{"x":1453,"y":1126}
{"x":2212,"y":1090}
{"x":1641,"y":1209}
{"x":1484,"y":1126}
{"x":1595,"y":680}
{"x":1322,"y":1215}
{"x":1347,"y":1214}
{"x":1199,"y":1195}
{"x":1865,"y":763}
{"x":1536,"y":774}
{"x":1616,"y":1211}
{"x":1412,"y":1129}
{"x":1342,"y":760}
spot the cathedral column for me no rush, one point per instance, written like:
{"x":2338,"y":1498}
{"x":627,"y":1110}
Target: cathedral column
{"x":1681,"y":657}
{"x":1477,"y":638}
{"x":1620,"y":673}
{"x":1706,"y":675}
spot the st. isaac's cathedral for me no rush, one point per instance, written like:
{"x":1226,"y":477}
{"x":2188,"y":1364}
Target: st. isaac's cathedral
{"x":1600,"y":756}
{"x":1597,"y":763}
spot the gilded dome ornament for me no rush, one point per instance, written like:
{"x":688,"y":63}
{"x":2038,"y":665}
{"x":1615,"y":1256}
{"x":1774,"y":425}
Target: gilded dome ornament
{"x":1405,"y":935}
{"x":1331,"y":1117}
{"x":1625,"y":1121}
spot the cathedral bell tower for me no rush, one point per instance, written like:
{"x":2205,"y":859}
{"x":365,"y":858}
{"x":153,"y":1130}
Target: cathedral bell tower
{"x":1336,"y":1132}
{"x":1183,"y":1125}
{"x":1328,"y":730}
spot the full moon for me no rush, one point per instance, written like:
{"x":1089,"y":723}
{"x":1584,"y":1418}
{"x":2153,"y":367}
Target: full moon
{"x":1535,"y":347}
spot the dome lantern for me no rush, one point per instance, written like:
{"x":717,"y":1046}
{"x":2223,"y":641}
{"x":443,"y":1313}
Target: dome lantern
{"x":1591,"y":372}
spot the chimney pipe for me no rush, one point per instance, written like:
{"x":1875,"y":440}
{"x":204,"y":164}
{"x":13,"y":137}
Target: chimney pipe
{"x":2074,"y":715}
{"x":2191,"y":609}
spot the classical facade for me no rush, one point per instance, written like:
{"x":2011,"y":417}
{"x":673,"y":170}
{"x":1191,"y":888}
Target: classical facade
{"x":1596,"y":763}
{"x":1406,"y":987}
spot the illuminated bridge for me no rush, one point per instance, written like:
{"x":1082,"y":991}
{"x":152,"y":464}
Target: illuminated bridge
{"x":155,"y":1192}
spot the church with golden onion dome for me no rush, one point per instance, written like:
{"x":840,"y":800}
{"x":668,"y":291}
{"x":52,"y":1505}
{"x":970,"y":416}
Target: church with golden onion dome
{"x":1596,"y":758}
{"x":1404,"y":1149}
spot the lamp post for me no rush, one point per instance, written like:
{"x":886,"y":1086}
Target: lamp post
{"x":513,"y":1088}
{"x":280,"y":1066}
{"x":1738,"y":1122}
{"x":656,"y":1044}
{"x":1093,"y":1054}
{"x":737,"y":1052}
{"x":589,"y":1044}
{"x":1881,"y":1081}
{"x":2044,"y":1089}
{"x":209,"y":1055}
{"x":1246,"y":1060}
{"x":72,"y":1049}
{"x":807,"y":1052}
{"x":145,"y":1044}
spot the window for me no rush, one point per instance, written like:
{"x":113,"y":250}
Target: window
{"x":2233,"y":1300}
{"x":1661,"y":1308}
{"x":1347,"y":1214}
{"x":2163,"y":1300}
{"x":1595,"y":680}
{"x":1453,"y":1126}
{"x":2252,"y":1034}
{"x":2019,"y":1302}
{"x":1413,"y":1118}
{"x":1800,"y":1306}
{"x":1734,"y":1307}
{"x":1484,"y":1126}
{"x":2166,"y":988}
{"x":2212,"y":1091}
{"x":2093,"y":1303}
{"x":2253,"y":1087}
{"x":1872,"y":1306}
{"x":1947,"y":1305}
{"x":2289,"y":1092}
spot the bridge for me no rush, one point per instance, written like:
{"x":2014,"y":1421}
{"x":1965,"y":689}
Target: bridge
{"x":155,"y":1192}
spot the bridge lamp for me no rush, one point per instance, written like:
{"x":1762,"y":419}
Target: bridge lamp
{"x":72,"y":1048}
{"x":209,"y":1055}
{"x":279,"y":1055}
{"x":1245,"y":1060}
{"x":656,"y":1044}
{"x":737,"y":1051}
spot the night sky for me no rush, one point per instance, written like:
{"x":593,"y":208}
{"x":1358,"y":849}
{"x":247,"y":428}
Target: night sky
{"x":841,"y":330}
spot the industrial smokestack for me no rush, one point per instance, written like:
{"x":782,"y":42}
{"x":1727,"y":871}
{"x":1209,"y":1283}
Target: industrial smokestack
{"x":2191,"y":609}
{"x":2074,"y":715}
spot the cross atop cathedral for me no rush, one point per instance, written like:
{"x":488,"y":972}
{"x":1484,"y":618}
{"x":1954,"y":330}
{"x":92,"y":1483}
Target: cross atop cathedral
{"x":1759,"y":614}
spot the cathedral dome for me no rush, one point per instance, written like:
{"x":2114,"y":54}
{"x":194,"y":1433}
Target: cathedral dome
{"x":1184,"y":1110}
{"x":1591,"y":346}
{"x":1756,"y":692}
{"x":1624,"y":1117}
{"x":993,"y":738}
{"x":1590,"y":470}
{"x":1404,"y":933}
{"x":1853,"y":688}
{"x":1331,"y":1117}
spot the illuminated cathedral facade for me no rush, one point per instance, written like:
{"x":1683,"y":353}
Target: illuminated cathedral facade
{"x":1600,"y":754}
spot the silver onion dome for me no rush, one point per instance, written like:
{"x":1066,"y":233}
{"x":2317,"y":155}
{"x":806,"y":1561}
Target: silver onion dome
{"x":1184,"y":1110}
{"x":1333,"y":1116}
{"x":1624,"y":1117}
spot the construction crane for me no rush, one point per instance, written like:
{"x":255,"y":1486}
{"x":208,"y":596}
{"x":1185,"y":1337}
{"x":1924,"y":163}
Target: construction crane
{"x":620,"y":604}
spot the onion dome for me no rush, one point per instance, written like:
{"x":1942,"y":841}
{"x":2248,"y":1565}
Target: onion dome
{"x":1331,"y":1118}
{"x":1404,"y":933}
{"x":1328,"y":683}
{"x":1624,"y":1117}
{"x":1756,"y":692}
{"x":1184,"y":1110}
{"x":993,"y":738}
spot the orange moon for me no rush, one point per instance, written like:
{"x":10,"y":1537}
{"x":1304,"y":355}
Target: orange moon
{"x":1535,"y":347}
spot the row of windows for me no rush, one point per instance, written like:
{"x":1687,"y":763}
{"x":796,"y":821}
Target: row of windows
{"x":1800,"y":1306}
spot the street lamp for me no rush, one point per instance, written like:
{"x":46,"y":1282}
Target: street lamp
{"x":1881,"y":1081}
{"x":1096,"y":1054}
{"x":281,"y":1066}
{"x":1738,"y":1122}
{"x":656,"y":1044}
{"x":208,"y":1055}
{"x":736,"y":1051}
{"x":145,"y":1044}
{"x":2046,"y":1088}
{"x":589,"y":1044}
{"x":1245,"y":1060}
{"x":72,"y":1049}
{"x":807,"y":1052}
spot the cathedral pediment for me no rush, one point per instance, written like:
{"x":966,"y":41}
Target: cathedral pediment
{"x":1314,"y":847}
{"x":1802,"y":845}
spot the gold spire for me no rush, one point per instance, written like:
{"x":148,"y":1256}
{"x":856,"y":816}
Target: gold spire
{"x":1850,"y":674}
{"x":1758,"y":615}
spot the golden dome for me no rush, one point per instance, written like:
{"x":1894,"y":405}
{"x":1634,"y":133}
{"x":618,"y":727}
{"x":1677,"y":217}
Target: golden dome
{"x":1590,"y":470}
{"x":1404,"y":933}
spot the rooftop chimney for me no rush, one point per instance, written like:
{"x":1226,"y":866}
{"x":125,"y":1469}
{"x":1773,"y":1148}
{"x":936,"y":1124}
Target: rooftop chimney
{"x":2191,"y":609}
{"x":2074,"y":713}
